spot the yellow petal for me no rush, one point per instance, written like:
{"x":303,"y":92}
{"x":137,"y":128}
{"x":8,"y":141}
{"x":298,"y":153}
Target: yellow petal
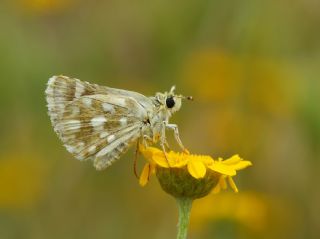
{"x":220,"y":167}
{"x":219,"y":185}
{"x":207,"y":160}
{"x":178,"y":160}
{"x":144,"y":177}
{"x":223,"y":183}
{"x":196,"y":169}
{"x":233,"y":160}
{"x":232,"y":184}
{"x":152,"y":169}
{"x":173,"y":160}
{"x":242,"y":165}
{"x":161,"y":161}
{"x":146,"y":152}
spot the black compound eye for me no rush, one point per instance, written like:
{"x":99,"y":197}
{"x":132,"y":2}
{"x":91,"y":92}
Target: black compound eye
{"x":170,"y":102}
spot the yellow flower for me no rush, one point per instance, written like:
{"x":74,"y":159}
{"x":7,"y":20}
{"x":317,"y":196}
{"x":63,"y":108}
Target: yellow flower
{"x":250,"y":209}
{"x":188,"y":175}
{"x":45,"y":6}
{"x":22,"y":179}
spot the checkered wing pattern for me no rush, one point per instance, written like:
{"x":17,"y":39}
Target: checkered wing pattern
{"x":95,"y":122}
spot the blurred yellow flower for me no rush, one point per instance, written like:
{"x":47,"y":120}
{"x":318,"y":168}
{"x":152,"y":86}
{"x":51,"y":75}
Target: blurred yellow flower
{"x":218,"y":73}
{"x":45,"y":6}
{"x":227,"y":78}
{"x":200,"y":170}
{"x":247,"y":208}
{"x":21,"y":180}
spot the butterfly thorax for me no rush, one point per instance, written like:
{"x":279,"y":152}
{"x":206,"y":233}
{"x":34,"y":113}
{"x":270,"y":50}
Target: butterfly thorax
{"x":164,"y":105}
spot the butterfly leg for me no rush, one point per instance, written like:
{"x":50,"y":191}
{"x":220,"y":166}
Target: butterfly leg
{"x":175,"y":129}
{"x":164,"y":142}
{"x":147,"y":140}
{"x":165,"y":153}
{"x":167,"y":145}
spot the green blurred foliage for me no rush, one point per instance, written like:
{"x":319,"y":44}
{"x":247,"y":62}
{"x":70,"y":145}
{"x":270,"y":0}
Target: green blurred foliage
{"x":253,"y":69}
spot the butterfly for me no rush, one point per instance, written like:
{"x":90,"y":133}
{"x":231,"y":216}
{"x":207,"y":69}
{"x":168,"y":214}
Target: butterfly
{"x":101,"y":123}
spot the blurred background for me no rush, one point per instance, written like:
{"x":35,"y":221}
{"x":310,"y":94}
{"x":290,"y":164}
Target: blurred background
{"x":253,"y":68}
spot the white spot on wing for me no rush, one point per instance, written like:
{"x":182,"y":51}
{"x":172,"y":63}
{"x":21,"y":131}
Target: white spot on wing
{"x":108,"y":108}
{"x":110,"y":138}
{"x":92,"y":149}
{"x":98,"y":121}
{"x":120,"y":101}
{"x":87,"y":102}
{"x":123,"y":121}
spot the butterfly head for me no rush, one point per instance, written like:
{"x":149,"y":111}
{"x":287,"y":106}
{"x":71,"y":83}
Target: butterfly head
{"x":171,"y":101}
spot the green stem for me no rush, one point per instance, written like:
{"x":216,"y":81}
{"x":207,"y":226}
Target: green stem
{"x":184,"y":205}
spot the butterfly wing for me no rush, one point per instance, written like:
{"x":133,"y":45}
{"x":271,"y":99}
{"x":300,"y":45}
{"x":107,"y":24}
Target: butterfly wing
{"x":95,"y":122}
